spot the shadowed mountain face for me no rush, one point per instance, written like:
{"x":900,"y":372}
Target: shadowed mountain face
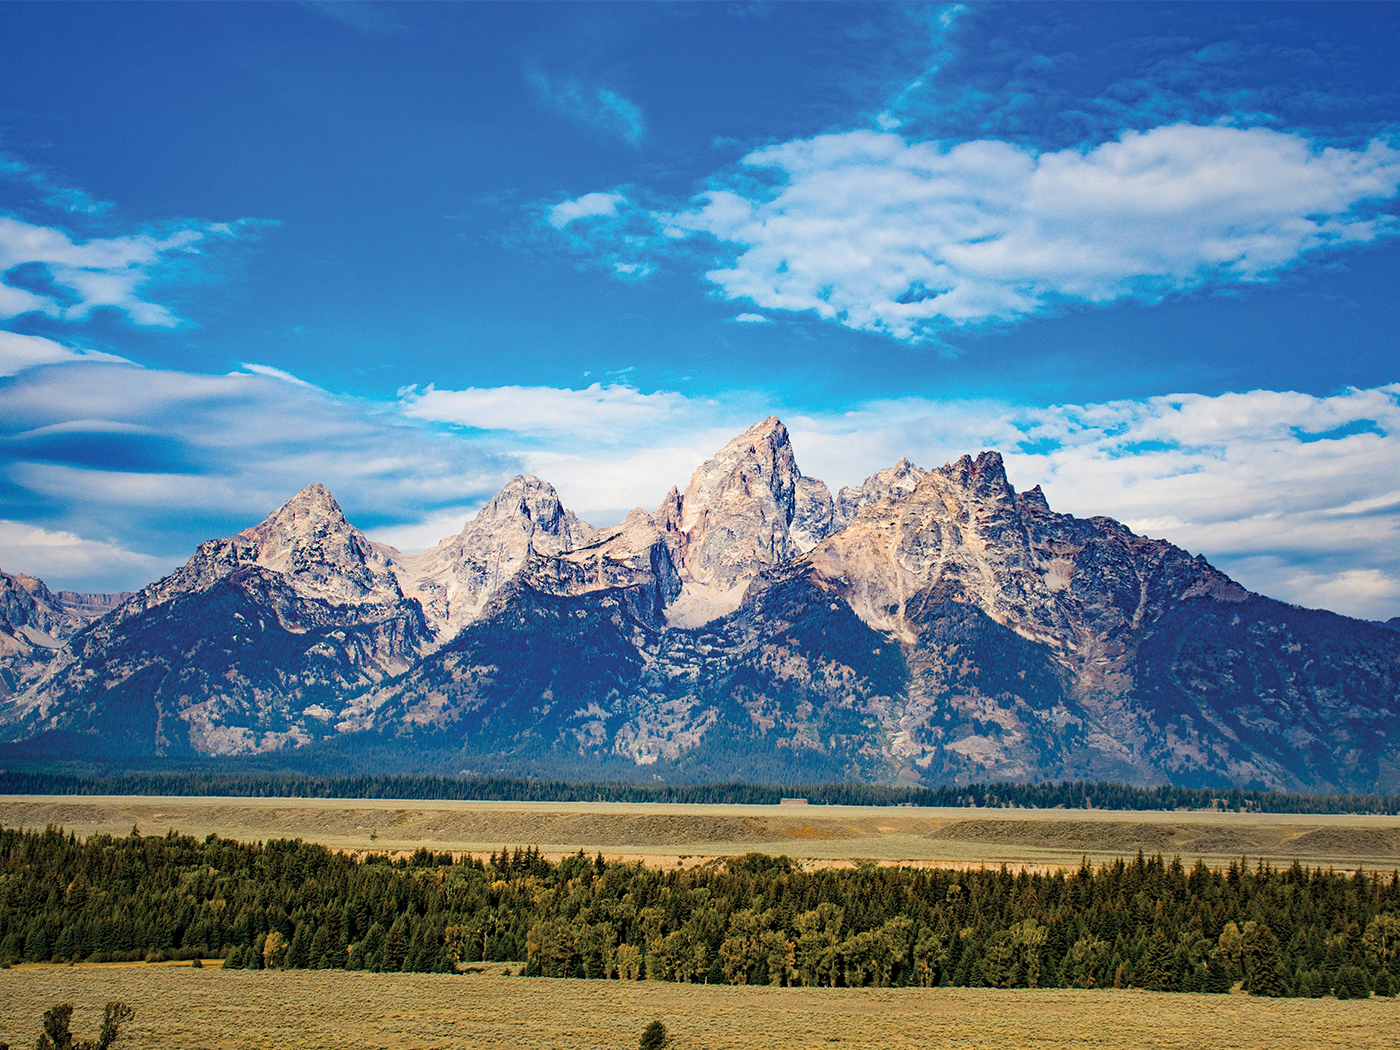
{"x":928,"y":625}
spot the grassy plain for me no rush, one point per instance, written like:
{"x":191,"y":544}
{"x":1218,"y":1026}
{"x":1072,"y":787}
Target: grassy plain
{"x":211,"y":1009}
{"x":664,"y":833}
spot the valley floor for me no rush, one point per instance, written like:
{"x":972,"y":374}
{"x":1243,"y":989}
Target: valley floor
{"x":212,"y":1009}
{"x":667,"y":834}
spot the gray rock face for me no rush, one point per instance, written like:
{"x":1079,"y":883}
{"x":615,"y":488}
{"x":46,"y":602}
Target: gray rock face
{"x":455,"y":579}
{"x":813,"y":515}
{"x":737,"y":511}
{"x":36,"y":622}
{"x":892,"y":483}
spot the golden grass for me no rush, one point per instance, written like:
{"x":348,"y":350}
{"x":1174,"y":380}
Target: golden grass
{"x":210,"y":1009}
{"x":662,"y":833}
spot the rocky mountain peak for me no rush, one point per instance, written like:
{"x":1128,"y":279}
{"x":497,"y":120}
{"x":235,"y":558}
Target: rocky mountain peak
{"x":532,"y":508}
{"x":455,"y":579}
{"x":738,"y":511}
{"x":1033,"y":501}
{"x":985,"y":476}
{"x":310,"y":540}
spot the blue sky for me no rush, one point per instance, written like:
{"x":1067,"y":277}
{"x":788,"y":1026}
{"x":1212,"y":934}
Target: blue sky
{"x":1148,"y":251}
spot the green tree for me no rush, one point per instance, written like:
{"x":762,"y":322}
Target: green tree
{"x":1264,"y":965}
{"x":1084,"y":961}
{"x":1382,"y":939}
{"x":654,"y":1037}
{"x":57,"y":1036}
{"x":1158,"y":974}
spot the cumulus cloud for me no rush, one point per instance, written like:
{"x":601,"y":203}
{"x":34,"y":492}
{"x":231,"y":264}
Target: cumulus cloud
{"x":597,"y":412}
{"x":590,"y":105}
{"x":753,"y":319}
{"x":589,"y":206}
{"x":882,"y":234}
{"x":46,"y":270}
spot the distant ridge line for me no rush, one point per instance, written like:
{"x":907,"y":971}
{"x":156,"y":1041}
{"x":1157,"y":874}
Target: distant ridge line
{"x":999,"y":795}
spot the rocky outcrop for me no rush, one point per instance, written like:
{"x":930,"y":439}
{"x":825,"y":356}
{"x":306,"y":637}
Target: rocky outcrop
{"x":36,"y":622}
{"x":737,"y":511}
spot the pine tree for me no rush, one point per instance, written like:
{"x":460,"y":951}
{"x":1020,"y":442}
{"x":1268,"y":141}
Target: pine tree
{"x":1158,"y":975}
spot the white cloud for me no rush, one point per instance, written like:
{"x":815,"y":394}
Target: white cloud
{"x":589,"y":206}
{"x":753,"y":319}
{"x":602,"y":488}
{"x":882,"y":234}
{"x":100,"y":272}
{"x":273,"y":373}
{"x":597,"y":412}
{"x":58,"y":556}
{"x":18,"y":352}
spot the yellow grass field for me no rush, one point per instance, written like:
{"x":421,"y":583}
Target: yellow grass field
{"x":181,"y":1008}
{"x":664,"y":833}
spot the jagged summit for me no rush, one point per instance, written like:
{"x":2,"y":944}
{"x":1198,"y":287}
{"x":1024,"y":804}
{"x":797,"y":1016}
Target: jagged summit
{"x":310,"y":540}
{"x":457,"y":578}
{"x":532,"y":507}
{"x":738,"y":510}
{"x":892,"y":483}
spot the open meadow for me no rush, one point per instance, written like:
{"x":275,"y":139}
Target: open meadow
{"x":212,"y":1009}
{"x":662,"y":833}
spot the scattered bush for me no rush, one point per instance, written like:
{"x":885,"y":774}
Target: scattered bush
{"x":654,"y":1037}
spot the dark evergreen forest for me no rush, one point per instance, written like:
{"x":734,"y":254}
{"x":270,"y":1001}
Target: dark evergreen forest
{"x":1145,"y":923}
{"x":1067,"y":794}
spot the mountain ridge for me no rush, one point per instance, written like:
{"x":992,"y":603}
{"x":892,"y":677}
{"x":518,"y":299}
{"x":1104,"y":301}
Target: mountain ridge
{"x":927,"y":626}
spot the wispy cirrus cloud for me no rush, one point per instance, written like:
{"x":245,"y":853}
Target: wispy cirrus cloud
{"x":48,"y":270}
{"x":590,"y":105}
{"x":56,"y":555}
{"x":878,"y":233}
{"x":18,"y":352}
{"x":152,"y":461}
{"x":53,"y":193}
{"x":598,"y":412}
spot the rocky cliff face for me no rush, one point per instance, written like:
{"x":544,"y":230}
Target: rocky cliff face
{"x":35,"y":623}
{"x":927,"y":625}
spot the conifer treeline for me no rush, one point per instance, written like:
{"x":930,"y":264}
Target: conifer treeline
{"x":1144,"y":923}
{"x":1068,"y":794}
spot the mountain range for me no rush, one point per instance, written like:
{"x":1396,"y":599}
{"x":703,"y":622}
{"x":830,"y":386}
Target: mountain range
{"x":929,"y":626}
